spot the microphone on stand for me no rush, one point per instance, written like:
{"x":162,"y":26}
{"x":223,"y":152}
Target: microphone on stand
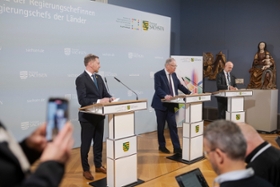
{"x":127,"y":87}
{"x":106,"y":84}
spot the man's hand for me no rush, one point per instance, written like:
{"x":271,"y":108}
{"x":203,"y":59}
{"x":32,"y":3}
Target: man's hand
{"x":105,"y":100}
{"x":111,"y":99}
{"x":37,"y":140}
{"x":60,"y":148}
{"x":232,"y":88}
{"x":168,"y":97}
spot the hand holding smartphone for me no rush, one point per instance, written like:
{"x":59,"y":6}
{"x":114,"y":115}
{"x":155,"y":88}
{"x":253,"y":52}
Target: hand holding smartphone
{"x":57,"y":116}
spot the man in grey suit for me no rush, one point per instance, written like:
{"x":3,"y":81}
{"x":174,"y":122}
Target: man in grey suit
{"x":225,"y":81}
{"x":91,"y":89}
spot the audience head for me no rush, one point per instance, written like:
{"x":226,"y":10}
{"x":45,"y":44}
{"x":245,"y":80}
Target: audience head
{"x":224,"y":145}
{"x":252,"y":137}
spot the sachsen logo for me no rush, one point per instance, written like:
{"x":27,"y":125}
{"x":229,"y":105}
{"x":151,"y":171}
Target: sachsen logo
{"x":31,"y":74}
{"x":24,"y":125}
{"x":23,"y":74}
{"x":67,"y":51}
{"x":28,"y":124}
{"x":125,"y":146}
{"x":145,"y":25}
{"x":71,"y":51}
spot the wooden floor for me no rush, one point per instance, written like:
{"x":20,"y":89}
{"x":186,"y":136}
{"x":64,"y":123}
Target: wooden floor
{"x":153,"y":167}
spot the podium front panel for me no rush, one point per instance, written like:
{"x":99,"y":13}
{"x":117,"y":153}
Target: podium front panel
{"x":235,"y":104}
{"x":125,"y":108}
{"x":122,"y":171}
{"x":123,"y":167}
{"x":191,"y":130}
{"x":193,"y":112}
{"x":121,"y":147}
{"x":193,"y":148}
{"x":236,"y":93}
{"x":200,"y":98}
{"x":121,"y":125}
{"x":110,"y":149}
{"x":235,"y":116}
{"x":110,"y":172}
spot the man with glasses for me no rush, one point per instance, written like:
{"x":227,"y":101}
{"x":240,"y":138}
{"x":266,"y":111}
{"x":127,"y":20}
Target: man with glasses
{"x":166,"y":85}
{"x":225,"y":148}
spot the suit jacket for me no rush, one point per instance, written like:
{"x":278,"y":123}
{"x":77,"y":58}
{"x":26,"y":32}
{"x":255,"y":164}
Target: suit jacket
{"x":88,"y":94}
{"x":162,"y":89}
{"x":47,"y":174}
{"x":222,"y":82}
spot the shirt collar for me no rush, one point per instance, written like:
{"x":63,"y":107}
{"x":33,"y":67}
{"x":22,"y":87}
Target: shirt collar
{"x":166,"y":72}
{"x":234,"y":175}
{"x":89,"y":73}
{"x":258,"y":150}
{"x":226,"y":72}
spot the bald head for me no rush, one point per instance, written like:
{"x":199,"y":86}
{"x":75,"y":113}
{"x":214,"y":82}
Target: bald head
{"x":228,"y":66}
{"x":252,"y":137}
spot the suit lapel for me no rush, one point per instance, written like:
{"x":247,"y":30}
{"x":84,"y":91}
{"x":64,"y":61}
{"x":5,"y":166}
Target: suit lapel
{"x":91,"y":83}
{"x":165,"y":80}
{"x":224,"y":78}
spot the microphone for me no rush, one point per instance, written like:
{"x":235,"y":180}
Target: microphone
{"x":106,"y":84}
{"x":127,"y":87}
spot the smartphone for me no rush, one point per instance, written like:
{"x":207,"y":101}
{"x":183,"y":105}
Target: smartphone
{"x":57,"y":116}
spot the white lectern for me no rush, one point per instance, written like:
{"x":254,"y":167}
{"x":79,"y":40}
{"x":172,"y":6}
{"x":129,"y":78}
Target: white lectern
{"x":235,"y":103}
{"x":121,"y":145}
{"x":192,"y":149}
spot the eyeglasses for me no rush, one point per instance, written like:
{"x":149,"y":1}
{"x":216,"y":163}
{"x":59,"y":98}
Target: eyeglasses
{"x":173,"y":65}
{"x":206,"y":153}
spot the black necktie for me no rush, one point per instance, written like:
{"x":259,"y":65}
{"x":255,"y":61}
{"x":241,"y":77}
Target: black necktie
{"x":228,"y":78}
{"x":170,"y":85}
{"x":94,"y":80}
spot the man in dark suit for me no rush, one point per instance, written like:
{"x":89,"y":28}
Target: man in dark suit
{"x":225,"y":81}
{"x":166,"y":86}
{"x":261,"y":156}
{"x":91,"y":89}
{"x":16,"y":158}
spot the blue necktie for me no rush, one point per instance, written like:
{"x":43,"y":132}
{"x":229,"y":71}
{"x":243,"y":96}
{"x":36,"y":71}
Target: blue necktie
{"x":94,"y":80}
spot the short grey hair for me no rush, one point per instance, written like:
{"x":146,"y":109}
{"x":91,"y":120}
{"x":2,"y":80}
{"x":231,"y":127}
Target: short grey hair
{"x":169,"y":60}
{"x":227,"y":136}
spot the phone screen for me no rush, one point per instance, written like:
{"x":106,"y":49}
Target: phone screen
{"x":57,"y":116}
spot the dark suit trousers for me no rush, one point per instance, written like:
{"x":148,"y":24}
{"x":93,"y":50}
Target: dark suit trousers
{"x":162,"y":117}
{"x":222,"y":107}
{"x":91,"y":132}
